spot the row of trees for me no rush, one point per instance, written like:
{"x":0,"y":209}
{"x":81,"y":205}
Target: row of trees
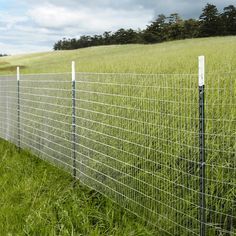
{"x":3,"y":55}
{"x":210,"y":23}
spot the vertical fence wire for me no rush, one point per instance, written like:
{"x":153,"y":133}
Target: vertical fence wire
{"x":135,"y":139}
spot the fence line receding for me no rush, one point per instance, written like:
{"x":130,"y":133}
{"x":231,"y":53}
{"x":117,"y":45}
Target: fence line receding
{"x":162,"y":146}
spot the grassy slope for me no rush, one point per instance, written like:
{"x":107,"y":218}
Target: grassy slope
{"x":37,"y":199}
{"x":177,"y":56}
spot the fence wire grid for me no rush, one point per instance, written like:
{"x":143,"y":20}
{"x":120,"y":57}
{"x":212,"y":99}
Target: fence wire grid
{"x":135,"y":139}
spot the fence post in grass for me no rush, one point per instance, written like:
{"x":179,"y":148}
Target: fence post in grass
{"x":73,"y":123}
{"x":201,"y":78}
{"x":18,"y":108}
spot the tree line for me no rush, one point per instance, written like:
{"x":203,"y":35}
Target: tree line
{"x":3,"y":55}
{"x":164,"y":28}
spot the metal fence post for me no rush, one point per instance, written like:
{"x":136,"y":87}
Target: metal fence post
{"x":18,"y":108}
{"x":73,"y":122}
{"x":201,"y":78}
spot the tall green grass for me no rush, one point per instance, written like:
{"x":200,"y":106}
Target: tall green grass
{"x":38,"y":199}
{"x":138,"y":142}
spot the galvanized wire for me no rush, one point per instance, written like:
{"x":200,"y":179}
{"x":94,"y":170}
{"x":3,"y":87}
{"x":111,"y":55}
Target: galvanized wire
{"x":136,"y":140}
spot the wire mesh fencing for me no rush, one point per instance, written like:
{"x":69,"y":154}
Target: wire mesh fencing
{"x":135,"y":139}
{"x":220,"y":135}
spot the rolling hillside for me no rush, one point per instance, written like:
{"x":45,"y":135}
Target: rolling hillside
{"x":171,"y":57}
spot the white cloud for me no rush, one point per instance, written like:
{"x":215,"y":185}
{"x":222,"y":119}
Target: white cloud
{"x":7,"y":20}
{"x":83,"y":19}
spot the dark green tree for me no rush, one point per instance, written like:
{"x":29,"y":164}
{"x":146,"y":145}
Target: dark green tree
{"x":210,"y":21}
{"x":154,"y":32}
{"x":191,"y":28}
{"x":175,"y":27}
{"x":97,"y":40}
{"x":229,"y":20}
{"x":123,"y":36}
{"x":107,"y":37}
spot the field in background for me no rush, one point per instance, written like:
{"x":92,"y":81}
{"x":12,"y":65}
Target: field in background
{"x":38,"y":199}
{"x":171,"y":57}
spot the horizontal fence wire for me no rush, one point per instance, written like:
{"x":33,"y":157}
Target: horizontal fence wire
{"x":136,"y":140}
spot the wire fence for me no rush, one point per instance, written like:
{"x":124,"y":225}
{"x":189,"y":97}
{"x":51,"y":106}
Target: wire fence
{"x":148,"y":142}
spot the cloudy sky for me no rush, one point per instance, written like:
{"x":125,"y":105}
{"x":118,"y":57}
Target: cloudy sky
{"x":33,"y":26}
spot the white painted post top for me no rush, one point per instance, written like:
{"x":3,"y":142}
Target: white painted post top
{"x":18,"y":73}
{"x":201,"y":70}
{"x":73,"y":71}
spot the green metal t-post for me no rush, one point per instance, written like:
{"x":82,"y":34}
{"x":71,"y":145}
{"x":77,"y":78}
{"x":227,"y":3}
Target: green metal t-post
{"x":202,"y":160}
{"x":73,"y":123}
{"x":18,"y":108}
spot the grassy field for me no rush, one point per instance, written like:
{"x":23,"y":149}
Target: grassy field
{"x":137,"y":135}
{"x":170,"y":57}
{"x":38,"y":199}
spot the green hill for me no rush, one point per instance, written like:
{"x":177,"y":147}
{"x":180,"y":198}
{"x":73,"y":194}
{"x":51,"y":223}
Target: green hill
{"x":176,"y":56}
